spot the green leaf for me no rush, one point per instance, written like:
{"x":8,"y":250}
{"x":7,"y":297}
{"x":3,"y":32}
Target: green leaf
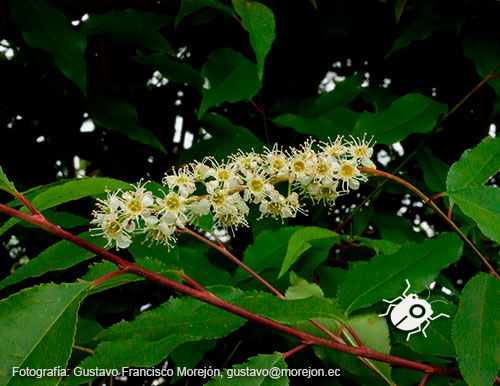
{"x":484,"y":52}
{"x":153,"y":335}
{"x":173,"y":70}
{"x":343,"y":93}
{"x":482,"y":204}
{"x":475,"y":165}
{"x":384,"y":276}
{"x":422,"y":28}
{"x":131,"y":26}
{"x":59,"y":256}
{"x":119,"y":115}
{"x":190,"y":6}
{"x":254,"y":376}
{"x":372,"y":331}
{"x":266,"y":252}
{"x":299,"y":243}
{"x":340,"y":120}
{"x":439,"y":340}
{"x":301,"y":288}
{"x":476,"y":330}
{"x":38,"y":329}
{"x":289,"y":311}
{"x":191,"y":260}
{"x":5,"y":184}
{"x":434,"y":170}
{"x":231,"y":76}
{"x":189,"y":354}
{"x":384,"y":247}
{"x":330,"y":279}
{"x":69,"y":191}
{"x":226,"y":138}
{"x":48,"y":28}
{"x":412,"y":113}
{"x":399,"y":7}
{"x":258,"y":20}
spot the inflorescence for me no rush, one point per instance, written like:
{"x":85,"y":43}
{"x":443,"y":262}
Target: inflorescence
{"x":319,"y":171}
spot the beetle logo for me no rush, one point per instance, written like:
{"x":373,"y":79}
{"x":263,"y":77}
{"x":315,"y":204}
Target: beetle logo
{"x":411,"y":313}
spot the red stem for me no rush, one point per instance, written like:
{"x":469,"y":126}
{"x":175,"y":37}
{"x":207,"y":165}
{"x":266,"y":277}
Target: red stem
{"x":294,"y":350}
{"x":108,"y":276}
{"x":210,"y":298}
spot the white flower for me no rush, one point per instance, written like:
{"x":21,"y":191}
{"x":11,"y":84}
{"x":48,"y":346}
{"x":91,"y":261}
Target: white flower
{"x":257,"y":187}
{"x":172,"y":209}
{"x":246,"y":162}
{"x":113,"y":230}
{"x":348,"y":172}
{"x":136,"y":204}
{"x":225,"y":175}
{"x":334,"y":149}
{"x":279,"y":206}
{"x":276,"y":163}
{"x":181,"y":180}
{"x":159,"y":231}
{"x":362,"y":150}
{"x":198,"y":208}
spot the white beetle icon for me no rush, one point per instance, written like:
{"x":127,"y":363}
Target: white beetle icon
{"x":411,"y":313}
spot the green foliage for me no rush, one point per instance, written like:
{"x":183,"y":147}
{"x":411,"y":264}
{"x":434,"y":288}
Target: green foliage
{"x":253,"y":365}
{"x":47,"y":28}
{"x":119,"y":115}
{"x":5,"y":184}
{"x":482,"y":204}
{"x":258,"y":20}
{"x":131,"y":26}
{"x":300,"y":242}
{"x":384,"y":276}
{"x":232,"y":78}
{"x":412,"y":113}
{"x":475,"y":165}
{"x":476,"y":330}
{"x":38,"y":329}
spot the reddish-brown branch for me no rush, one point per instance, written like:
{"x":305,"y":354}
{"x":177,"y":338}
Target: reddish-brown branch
{"x":351,"y":331}
{"x":108,"y":276}
{"x":294,"y":350}
{"x":210,"y":298}
{"x":424,"y":380}
{"x":23,"y":199}
{"x":436,"y":209}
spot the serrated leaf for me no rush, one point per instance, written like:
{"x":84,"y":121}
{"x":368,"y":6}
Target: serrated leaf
{"x":372,"y":331}
{"x":254,"y":372}
{"x":5,"y":184}
{"x":152,"y":336}
{"x":38,"y":329}
{"x":69,"y":191}
{"x":190,"y":6}
{"x":289,"y":311}
{"x":384,"y":276}
{"x":131,"y":26}
{"x":339,"y":120}
{"x":302,"y":289}
{"x":57,"y":257}
{"x":299,"y":243}
{"x":173,"y":70}
{"x":475,"y":165}
{"x":412,"y":113}
{"x":343,"y":93}
{"x":258,"y":20}
{"x":267,"y":251}
{"x":384,"y":247}
{"x":189,"y":354}
{"x":482,"y":204}
{"x":476,"y":330}
{"x":119,"y":115}
{"x":434,"y":170}
{"x":48,"y":28}
{"x":438,"y":340}
{"x":232,"y":78}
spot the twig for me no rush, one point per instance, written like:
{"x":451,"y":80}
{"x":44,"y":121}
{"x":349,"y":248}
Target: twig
{"x":294,"y":350}
{"x":84,"y":349}
{"x":108,"y":276}
{"x":424,"y":380}
{"x":436,"y":209}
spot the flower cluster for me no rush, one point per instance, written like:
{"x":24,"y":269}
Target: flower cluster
{"x":319,"y":171}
